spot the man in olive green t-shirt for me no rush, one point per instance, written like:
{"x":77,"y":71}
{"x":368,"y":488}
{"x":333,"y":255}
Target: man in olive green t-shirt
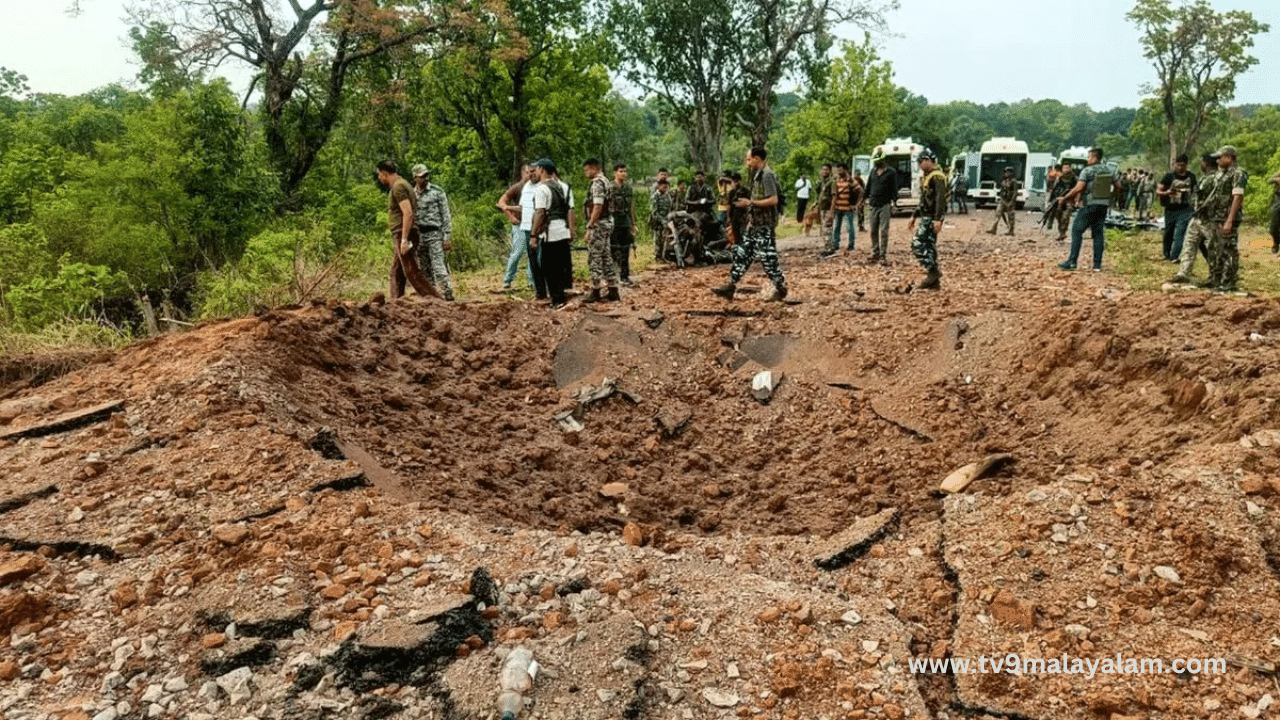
{"x":404,"y":233}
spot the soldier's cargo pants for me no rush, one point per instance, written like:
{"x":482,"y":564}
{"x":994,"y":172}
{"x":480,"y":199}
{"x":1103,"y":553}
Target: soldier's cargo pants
{"x":1196,"y":241}
{"x":1007,"y":212}
{"x":757,"y":243}
{"x":600,"y":255}
{"x":924,"y":245}
{"x":431,"y":260}
{"x":1224,"y":256}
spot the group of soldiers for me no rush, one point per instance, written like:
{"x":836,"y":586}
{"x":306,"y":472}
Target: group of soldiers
{"x":1202,"y":217}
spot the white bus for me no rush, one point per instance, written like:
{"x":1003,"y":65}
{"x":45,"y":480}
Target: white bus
{"x":901,"y":154}
{"x":1031,"y":170}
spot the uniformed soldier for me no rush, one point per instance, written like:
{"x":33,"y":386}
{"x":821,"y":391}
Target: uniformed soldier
{"x":1061,"y":212}
{"x":759,"y":240}
{"x":624,"y":222}
{"x":599,"y":230}
{"x":660,"y":204}
{"x":933,"y":209}
{"x":1008,"y":208}
{"x":435,"y":225}
{"x":1225,"y":214}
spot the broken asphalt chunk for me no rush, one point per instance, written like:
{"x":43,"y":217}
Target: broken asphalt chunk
{"x":852,"y":543}
{"x":66,"y":421}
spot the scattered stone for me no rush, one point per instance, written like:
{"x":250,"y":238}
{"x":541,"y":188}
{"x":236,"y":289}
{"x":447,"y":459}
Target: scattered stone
{"x":1008,"y":609}
{"x":231,"y":534}
{"x":8,"y":670}
{"x":851,"y":618}
{"x":236,"y":684}
{"x":15,"y":571}
{"x":213,"y":640}
{"x":76,"y":515}
{"x":1168,"y":574}
{"x":720,"y":698}
{"x":614,"y":490}
{"x":606,"y":695}
{"x":764,"y":384}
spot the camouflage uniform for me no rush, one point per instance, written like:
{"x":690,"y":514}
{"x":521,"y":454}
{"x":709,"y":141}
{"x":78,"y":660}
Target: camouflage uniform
{"x":932,"y":207}
{"x":1061,"y":211}
{"x":660,"y":204}
{"x":622,"y":197}
{"x":758,"y":240}
{"x":1224,"y":251}
{"x":1007,"y":210}
{"x":599,"y":258}
{"x":1199,"y":231}
{"x":435,"y":224}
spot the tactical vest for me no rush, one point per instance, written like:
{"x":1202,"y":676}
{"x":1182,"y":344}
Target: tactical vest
{"x":559,"y":209}
{"x":946,"y":193}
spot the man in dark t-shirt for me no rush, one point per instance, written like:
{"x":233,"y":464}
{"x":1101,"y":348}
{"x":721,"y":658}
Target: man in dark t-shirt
{"x":404,"y":233}
{"x":1175,"y":191}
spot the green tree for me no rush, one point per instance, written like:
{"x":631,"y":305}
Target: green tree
{"x":853,"y":112}
{"x":302,"y":94}
{"x":1198,"y":53}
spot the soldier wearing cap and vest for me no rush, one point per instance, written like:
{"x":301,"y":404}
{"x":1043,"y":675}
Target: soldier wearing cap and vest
{"x":435,"y":225}
{"x":1008,"y":208}
{"x":932,"y":210}
{"x":1225,"y":215}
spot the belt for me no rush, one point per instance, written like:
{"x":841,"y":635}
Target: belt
{"x":428,"y":228}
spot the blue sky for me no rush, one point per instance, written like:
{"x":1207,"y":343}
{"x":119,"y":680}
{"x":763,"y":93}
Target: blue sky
{"x":985,"y":51}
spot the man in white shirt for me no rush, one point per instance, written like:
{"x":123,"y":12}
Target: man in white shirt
{"x":552,"y":233}
{"x":802,"y":196}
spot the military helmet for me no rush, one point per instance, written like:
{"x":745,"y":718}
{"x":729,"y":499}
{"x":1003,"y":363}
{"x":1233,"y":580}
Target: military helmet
{"x":926,"y":154}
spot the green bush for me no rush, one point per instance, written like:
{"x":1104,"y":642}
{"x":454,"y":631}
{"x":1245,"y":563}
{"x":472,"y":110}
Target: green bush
{"x":481,"y":235}
{"x":71,"y":294}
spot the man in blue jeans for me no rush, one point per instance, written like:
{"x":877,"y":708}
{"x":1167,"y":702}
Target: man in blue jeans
{"x":517,"y":204}
{"x":1175,"y":190}
{"x":1096,"y":183}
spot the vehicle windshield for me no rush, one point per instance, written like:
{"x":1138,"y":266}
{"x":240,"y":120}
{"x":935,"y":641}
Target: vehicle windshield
{"x":993,"y":166}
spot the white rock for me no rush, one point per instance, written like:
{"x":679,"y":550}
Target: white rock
{"x":85,"y":578}
{"x":111,"y":681}
{"x":108,"y":714}
{"x":1210,"y":704}
{"x":1079,"y":631}
{"x":1265,"y":702}
{"x":236,"y":684}
{"x":731,"y":670}
{"x":606,"y":695}
{"x":719,"y":698}
{"x":76,"y":515}
{"x":1250,"y":711}
{"x":174,"y":685}
{"x":152,"y":694}
{"x":870,"y":646}
{"x":1164,"y":572}
{"x":1253,"y":509}
{"x":851,"y":618}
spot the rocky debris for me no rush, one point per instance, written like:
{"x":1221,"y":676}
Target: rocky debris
{"x":64,"y":422}
{"x":961,"y":478}
{"x":14,"y":570}
{"x":703,"y":576}
{"x":764,"y":383}
{"x":852,"y":543}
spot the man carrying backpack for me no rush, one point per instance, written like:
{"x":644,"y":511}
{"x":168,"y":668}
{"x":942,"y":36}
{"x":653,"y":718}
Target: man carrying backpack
{"x":551,"y":208}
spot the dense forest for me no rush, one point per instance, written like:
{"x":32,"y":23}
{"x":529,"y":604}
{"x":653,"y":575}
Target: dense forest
{"x":178,"y":198}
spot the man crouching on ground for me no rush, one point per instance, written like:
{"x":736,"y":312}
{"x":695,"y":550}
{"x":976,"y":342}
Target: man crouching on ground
{"x":759,"y":240}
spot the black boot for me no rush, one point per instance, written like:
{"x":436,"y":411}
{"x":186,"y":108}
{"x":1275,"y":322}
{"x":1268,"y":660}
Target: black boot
{"x":779,"y":292}
{"x":932,"y":281}
{"x":612,"y":295}
{"x":593,"y":296}
{"x":725,"y":291}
